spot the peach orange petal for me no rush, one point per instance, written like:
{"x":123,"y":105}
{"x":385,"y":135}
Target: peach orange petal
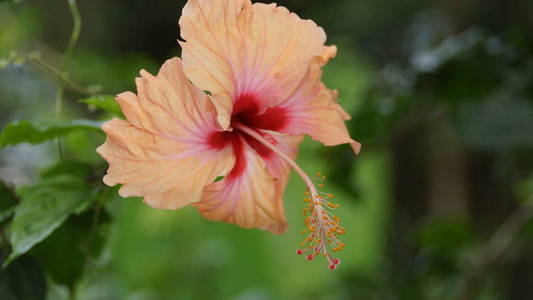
{"x":168,"y":104}
{"x":249,"y":199}
{"x":163,"y":142}
{"x":213,"y":31}
{"x":234,"y":48}
{"x":224,"y":107}
{"x":276,"y":166}
{"x":328,"y":53}
{"x":313,"y":109}
{"x":159,"y":168}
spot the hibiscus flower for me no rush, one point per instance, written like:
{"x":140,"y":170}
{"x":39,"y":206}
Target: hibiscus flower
{"x":236,"y":106}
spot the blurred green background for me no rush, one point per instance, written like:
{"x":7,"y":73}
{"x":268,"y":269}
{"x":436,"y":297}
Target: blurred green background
{"x":435,"y":206}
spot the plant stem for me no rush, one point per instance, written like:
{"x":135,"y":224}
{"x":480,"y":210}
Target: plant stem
{"x":75,"y":31}
{"x":68,"y":53}
{"x":58,"y":75}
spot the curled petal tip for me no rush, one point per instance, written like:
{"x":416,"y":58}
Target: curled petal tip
{"x":356,"y":147}
{"x":329,"y":52}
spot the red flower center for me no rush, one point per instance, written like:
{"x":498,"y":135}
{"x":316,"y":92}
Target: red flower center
{"x":246,"y":112}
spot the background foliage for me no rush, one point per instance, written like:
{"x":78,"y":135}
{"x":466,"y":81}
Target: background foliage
{"x":437,"y":206}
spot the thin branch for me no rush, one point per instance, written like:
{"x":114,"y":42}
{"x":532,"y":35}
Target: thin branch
{"x":75,"y":31}
{"x":66,"y":57}
{"x":58,"y":75}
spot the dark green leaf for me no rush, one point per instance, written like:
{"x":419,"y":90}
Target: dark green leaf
{"x":43,"y":208}
{"x":7,"y":201}
{"x":65,"y":253}
{"x":24,"y":279}
{"x":74,"y":168}
{"x":6,"y":213}
{"x":38,"y":132}
{"x":7,"y":196}
{"x":104,"y":102}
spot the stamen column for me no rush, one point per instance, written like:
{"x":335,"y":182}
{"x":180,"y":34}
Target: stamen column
{"x":323,"y":226}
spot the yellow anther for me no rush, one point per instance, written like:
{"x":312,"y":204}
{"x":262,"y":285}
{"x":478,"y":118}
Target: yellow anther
{"x":322,"y":225}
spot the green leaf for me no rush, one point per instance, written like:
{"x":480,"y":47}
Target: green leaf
{"x":7,"y":196}
{"x":38,"y":132}
{"x":65,"y":253}
{"x":70,"y":167}
{"x":43,"y":208}
{"x":6,"y":213}
{"x":7,"y":201}
{"x":24,"y":279}
{"x":104,"y":102}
